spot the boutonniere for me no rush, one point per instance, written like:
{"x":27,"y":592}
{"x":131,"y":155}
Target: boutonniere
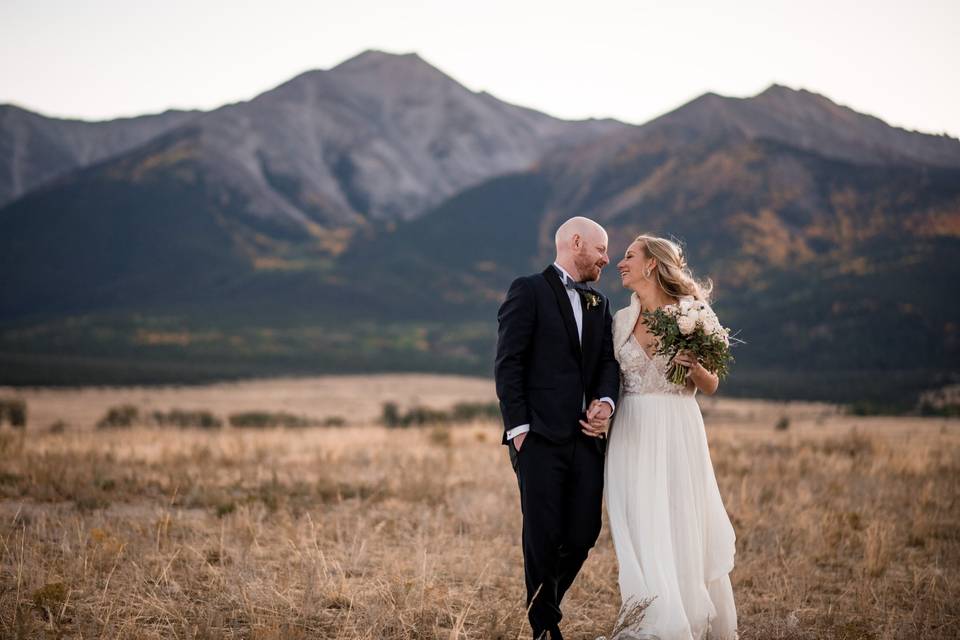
{"x":593,"y":300}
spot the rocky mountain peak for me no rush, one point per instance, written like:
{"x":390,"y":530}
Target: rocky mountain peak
{"x":809,"y":121}
{"x":374,"y":59}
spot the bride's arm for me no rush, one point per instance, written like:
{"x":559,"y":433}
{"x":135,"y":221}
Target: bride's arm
{"x":705,"y":381}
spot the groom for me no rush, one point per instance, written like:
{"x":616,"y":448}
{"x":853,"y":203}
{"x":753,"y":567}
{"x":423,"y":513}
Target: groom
{"x":557,"y":381}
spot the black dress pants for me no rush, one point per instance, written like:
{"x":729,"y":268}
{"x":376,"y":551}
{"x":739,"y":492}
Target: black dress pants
{"x":561,"y":491}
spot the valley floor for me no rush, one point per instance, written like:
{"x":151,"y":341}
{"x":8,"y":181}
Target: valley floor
{"x":847,"y":527}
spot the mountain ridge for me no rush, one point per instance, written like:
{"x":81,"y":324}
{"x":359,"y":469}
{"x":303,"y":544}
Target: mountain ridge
{"x":35,"y":148}
{"x":813,"y":121}
{"x":339,"y":208}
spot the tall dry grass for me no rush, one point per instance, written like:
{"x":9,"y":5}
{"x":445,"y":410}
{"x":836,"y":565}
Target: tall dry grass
{"x":362,"y":532}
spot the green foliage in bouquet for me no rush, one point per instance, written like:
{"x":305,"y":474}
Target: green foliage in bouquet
{"x":711,"y":349}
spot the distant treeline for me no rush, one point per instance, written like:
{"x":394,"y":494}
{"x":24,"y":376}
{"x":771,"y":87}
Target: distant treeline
{"x":867,"y":391}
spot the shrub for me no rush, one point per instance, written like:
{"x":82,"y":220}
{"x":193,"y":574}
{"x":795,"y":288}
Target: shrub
{"x":122,"y":416}
{"x":390,"y":416}
{"x":418,"y":415}
{"x":14,"y":411}
{"x":58,"y":426}
{"x":943,"y":410}
{"x":49,"y":600}
{"x":90,"y":502}
{"x":470,"y":411}
{"x":871,"y":408}
{"x":267,"y":419}
{"x":414,"y":416}
{"x":200,"y":419}
{"x":782,"y":424}
{"x":440,"y":436}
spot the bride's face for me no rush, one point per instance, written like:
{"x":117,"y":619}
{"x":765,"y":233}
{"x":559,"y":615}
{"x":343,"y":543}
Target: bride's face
{"x":635,"y":262}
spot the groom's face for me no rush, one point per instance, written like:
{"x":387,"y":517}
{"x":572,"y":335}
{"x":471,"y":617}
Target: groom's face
{"x":591,"y":256}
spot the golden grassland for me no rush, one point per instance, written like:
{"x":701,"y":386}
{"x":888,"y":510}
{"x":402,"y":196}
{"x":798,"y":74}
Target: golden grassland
{"x":846,"y":527}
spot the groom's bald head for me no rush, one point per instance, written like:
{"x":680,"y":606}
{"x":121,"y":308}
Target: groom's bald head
{"x":582,"y":248}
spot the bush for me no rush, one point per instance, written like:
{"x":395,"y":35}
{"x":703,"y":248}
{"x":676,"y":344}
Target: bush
{"x":267,"y":419}
{"x":871,"y":408}
{"x":470,"y":411}
{"x":58,"y":427}
{"x":334,"y":421}
{"x":417,"y":415}
{"x":440,"y":436}
{"x":200,"y":419}
{"x":90,"y":502}
{"x":782,"y":424}
{"x":49,"y":600}
{"x":14,"y":411}
{"x":943,"y":410}
{"x":390,"y":416}
{"x":122,"y":416}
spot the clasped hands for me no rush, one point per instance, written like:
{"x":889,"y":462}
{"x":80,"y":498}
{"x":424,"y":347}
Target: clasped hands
{"x":598,"y":419}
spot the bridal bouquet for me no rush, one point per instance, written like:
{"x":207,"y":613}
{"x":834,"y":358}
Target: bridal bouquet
{"x":691,"y":326}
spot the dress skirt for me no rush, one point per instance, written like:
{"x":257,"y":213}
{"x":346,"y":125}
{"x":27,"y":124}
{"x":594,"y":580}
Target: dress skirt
{"x":672,"y":535}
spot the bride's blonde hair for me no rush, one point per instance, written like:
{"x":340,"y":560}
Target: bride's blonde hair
{"x":673,"y":274}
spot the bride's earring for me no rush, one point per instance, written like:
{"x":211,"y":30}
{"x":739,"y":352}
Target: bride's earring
{"x":646,"y":274}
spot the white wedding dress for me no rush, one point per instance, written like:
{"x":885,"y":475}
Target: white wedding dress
{"x":673,"y":539}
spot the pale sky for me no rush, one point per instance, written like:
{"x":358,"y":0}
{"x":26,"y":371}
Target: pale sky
{"x":99,"y":59}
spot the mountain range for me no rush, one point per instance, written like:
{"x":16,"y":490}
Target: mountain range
{"x":370,"y":217}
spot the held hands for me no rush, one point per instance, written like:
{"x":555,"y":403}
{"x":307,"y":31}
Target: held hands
{"x":598,"y":409}
{"x":598,"y":419}
{"x":596,"y":425}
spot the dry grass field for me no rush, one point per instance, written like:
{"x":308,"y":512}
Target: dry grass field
{"x":848,"y":527}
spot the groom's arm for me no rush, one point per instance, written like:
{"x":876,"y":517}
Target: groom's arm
{"x":516,"y":320}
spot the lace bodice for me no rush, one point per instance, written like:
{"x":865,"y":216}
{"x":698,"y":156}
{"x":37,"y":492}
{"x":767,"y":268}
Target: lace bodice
{"x":642,"y":375}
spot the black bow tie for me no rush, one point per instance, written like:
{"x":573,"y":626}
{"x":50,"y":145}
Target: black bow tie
{"x":569,"y":282}
{"x":578,"y":286}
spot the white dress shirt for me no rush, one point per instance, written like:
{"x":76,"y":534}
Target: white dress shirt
{"x":577,"y":305}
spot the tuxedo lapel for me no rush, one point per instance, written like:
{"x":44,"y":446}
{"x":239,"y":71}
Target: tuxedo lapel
{"x":592,"y":326}
{"x":566,"y":310}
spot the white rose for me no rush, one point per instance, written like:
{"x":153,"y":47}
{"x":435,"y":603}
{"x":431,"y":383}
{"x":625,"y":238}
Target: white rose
{"x":723,"y":334}
{"x":694,"y":315}
{"x":711,"y":326}
{"x":686,"y":325}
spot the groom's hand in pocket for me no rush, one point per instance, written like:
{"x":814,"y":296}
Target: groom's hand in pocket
{"x":518,"y":440}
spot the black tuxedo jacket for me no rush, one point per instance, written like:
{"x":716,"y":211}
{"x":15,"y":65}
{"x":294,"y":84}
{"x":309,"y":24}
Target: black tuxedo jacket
{"x":542,"y":372}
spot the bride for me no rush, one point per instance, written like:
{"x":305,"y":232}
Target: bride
{"x":673,"y":539}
